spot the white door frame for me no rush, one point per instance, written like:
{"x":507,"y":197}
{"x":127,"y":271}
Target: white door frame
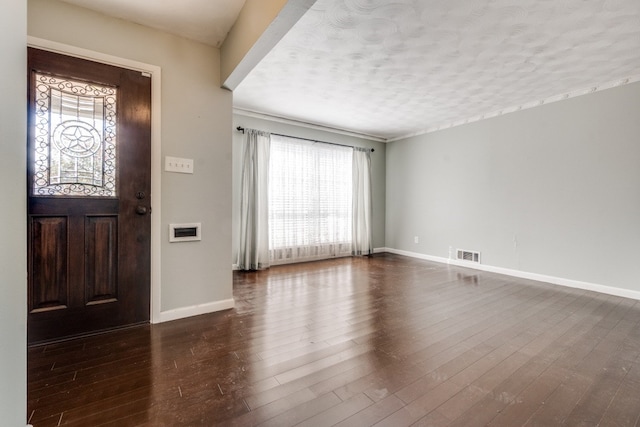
{"x":156,"y":159}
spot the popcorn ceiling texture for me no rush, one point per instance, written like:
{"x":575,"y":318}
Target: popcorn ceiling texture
{"x":395,"y":68}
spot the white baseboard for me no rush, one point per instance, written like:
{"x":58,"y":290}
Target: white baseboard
{"x":235,"y":267}
{"x":604,"y":289}
{"x":195,"y":310}
{"x":416,"y":255}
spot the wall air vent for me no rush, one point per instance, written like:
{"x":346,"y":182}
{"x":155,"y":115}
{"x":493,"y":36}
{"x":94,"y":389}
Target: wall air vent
{"x":471,"y":256}
{"x":185,"y":232}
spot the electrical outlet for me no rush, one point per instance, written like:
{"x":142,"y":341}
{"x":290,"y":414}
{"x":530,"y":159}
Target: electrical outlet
{"x":416,"y":239}
{"x":177,"y":164}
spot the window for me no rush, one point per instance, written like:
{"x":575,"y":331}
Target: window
{"x":75,"y":138}
{"x":310,"y":200}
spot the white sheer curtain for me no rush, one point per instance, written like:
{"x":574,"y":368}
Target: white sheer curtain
{"x":310,"y":200}
{"x":253,"y":250}
{"x":362,"y":202}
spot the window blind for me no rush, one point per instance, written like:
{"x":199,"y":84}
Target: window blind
{"x":310,"y":200}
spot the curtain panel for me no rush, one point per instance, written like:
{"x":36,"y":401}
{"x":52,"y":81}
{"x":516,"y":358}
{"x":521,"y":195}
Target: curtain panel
{"x":362,"y":237}
{"x":253,"y":250}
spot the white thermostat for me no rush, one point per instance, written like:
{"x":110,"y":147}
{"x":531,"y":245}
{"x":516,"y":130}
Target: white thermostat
{"x":185,"y":232}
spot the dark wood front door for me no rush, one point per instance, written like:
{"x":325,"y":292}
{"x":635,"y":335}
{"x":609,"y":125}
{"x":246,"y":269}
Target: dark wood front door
{"x":89,"y":182}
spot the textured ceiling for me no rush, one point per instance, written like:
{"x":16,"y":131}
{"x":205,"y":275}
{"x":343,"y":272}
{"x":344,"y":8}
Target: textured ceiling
{"x":206,"y":21}
{"x":401,"y":67}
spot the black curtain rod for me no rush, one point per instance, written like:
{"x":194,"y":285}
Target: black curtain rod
{"x":241,"y":129}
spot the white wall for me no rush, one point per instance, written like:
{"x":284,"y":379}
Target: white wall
{"x":196,"y":123}
{"x":551,"y":190}
{"x":377,"y":167}
{"x":13,"y":246}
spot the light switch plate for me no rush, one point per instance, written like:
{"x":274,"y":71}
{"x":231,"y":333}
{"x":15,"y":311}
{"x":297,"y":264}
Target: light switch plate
{"x":177,"y":164}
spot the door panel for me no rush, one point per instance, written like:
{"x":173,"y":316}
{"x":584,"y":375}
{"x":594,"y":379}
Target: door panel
{"x":101,"y":261}
{"x":89,"y":161}
{"x":48,"y":263}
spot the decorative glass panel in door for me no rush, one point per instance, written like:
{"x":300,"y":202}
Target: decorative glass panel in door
{"x":75,"y":138}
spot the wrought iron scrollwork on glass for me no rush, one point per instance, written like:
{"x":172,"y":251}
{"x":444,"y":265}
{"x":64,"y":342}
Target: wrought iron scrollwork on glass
{"x":75,"y":138}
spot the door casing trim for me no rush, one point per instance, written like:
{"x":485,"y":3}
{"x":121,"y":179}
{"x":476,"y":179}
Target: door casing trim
{"x":156,"y":147}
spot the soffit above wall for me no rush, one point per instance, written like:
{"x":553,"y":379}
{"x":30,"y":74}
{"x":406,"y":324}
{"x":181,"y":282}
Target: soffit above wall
{"x":205,"y":21}
{"x":391,"y":69}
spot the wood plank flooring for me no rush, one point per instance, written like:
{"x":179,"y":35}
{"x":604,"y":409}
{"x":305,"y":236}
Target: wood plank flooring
{"x":384,"y":341}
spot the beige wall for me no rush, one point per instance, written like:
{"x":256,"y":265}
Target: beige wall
{"x":196,"y":123}
{"x":13,"y":265}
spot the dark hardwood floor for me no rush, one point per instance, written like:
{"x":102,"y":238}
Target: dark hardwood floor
{"x":386,"y":341}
